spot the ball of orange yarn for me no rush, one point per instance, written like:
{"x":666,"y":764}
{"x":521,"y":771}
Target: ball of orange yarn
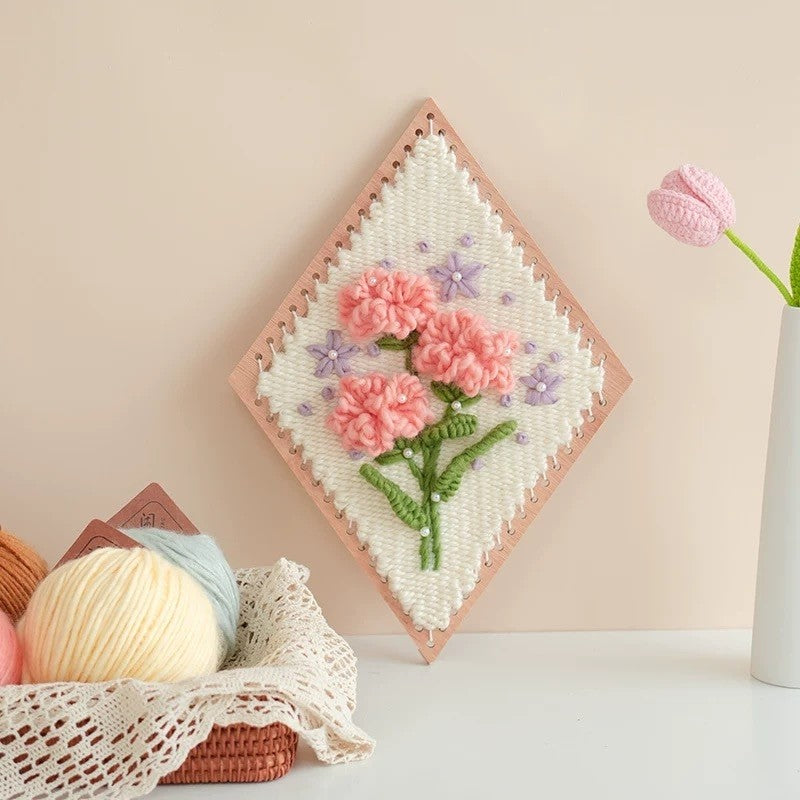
{"x":22,"y":569}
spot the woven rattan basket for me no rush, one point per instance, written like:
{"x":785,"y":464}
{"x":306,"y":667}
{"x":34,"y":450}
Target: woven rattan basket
{"x":239,"y":754}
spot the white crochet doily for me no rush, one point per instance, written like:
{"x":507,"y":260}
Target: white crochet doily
{"x":69,"y":741}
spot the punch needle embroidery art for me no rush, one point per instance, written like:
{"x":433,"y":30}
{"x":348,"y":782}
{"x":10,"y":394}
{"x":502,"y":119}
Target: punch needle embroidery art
{"x":430,"y":380}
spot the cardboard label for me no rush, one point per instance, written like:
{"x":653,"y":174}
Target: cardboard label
{"x":151,"y":508}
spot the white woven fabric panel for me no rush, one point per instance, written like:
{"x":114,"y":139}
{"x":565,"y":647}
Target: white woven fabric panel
{"x":285,"y":650}
{"x":434,"y":201}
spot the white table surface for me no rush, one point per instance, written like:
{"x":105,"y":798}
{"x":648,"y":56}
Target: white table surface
{"x":644,"y":715}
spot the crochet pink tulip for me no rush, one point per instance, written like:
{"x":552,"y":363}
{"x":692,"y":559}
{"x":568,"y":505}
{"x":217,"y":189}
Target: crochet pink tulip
{"x":381,"y":302}
{"x":373,"y":410}
{"x":458,"y":347}
{"x":693,"y":206}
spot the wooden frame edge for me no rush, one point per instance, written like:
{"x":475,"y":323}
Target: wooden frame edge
{"x":245,"y":375}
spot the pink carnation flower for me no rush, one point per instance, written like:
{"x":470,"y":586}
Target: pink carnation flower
{"x":382,"y":302}
{"x":458,"y":347}
{"x":373,"y":410}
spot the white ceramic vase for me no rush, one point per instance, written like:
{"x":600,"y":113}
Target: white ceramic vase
{"x":775,"y":654}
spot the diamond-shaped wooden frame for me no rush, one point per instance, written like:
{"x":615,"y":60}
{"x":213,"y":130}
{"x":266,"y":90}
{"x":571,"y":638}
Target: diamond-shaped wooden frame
{"x":245,"y":376}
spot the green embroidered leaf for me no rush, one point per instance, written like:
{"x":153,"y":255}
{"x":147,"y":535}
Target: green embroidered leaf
{"x":450,"y":479}
{"x":396,"y":453}
{"x":446,"y":392}
{"x":391,"y":343}
{"x":450,"y":428}
{"x":794,"y":268}
{"x":406,"y":508}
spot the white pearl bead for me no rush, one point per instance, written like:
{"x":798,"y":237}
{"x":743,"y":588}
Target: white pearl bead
{"x":456,"y":405}
{"x":436,"y":497}
{"x":401,"y":398}
{"x":372,"y":281}
{"x":541,"y":386}
{"x":508,"y":351}
{"x":457,"y":276}
{"x":425,"y":532}
{"x":408,"y":452}
{"x":333,"y":355}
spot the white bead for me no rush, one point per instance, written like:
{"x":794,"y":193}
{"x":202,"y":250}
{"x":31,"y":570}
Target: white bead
{"x":408,"y":452}
{"x":425,"y":532}
{"x":401,"y":398}
{"x":541,"y":386}
{"x":436,"y":497}
{"x":372,"y":280}
{"x":508,"y":351}
{"x":333,"y":355}
{"x":457,"y":276}
{"x":456,"y":405}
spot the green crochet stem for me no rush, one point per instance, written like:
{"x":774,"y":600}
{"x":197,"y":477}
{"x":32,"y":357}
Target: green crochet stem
{"x":424,"y":514}
{"x":750,"y":253}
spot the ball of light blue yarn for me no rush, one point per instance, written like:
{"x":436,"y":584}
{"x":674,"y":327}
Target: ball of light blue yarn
{"x":202,"y":558}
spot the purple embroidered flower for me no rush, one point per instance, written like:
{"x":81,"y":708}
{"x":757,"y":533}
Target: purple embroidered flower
{"x":333,"y":356}
{"x":305,"y":410}
{"x":423,"y":246}
{"x":355,"y":455}
{"x":541,"y":384}
{"x":467,"y":240}
{"x":508,"y":298}
{"x":505,"y":400}
{"x":373,"y":350}
{"x":530,"y":347}
{"x":477,"y":464}
{"x":555,"y":357}
{"x":386,"y":263}
{"x":328,"y":393}
{"x":522,"y":438}
{"x":457,"y":276}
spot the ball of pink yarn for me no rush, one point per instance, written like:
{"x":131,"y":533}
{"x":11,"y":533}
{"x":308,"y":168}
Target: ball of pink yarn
{"x":692,"y":205}
{"x":10,"y":653}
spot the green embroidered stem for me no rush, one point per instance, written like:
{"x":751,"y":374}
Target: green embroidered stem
{"x":453,"y":425}
{"x":794,"y":268}
{"x":750,"y":253}
{"x":430,"y":458}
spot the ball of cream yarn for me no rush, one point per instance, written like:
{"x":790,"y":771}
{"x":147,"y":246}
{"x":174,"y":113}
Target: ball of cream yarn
{"x":118,"y":614}
{"x":21,"y":571}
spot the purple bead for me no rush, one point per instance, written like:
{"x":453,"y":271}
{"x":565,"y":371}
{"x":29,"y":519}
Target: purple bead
{"x":477,"y":464}
{"x":328,"y":393}
{"x":373,"y":350}
{"x":530,"y":347}
{"x":555,"y":357}
{"x":522,"y":438}
{"x":507,"y":299}
{"x":467,"y":240}
{"x":305,"y":410}
{"x":386,"y":263}
{"x":423,"y":246}
{"x":356,"y":455}
{"x":505,"y":400}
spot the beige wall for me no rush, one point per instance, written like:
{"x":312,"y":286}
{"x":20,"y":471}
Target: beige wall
{"x":168,"y":169}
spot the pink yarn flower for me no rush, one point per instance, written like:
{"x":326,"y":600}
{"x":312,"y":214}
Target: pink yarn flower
{"x":373,"y":410}
{"x":382,"y":302}
{"x":458,"y":347}
{"x":693,"y":206}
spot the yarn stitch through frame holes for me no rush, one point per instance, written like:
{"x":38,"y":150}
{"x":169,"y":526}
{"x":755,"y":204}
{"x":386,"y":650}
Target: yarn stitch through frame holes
{"x":430,"y":211}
